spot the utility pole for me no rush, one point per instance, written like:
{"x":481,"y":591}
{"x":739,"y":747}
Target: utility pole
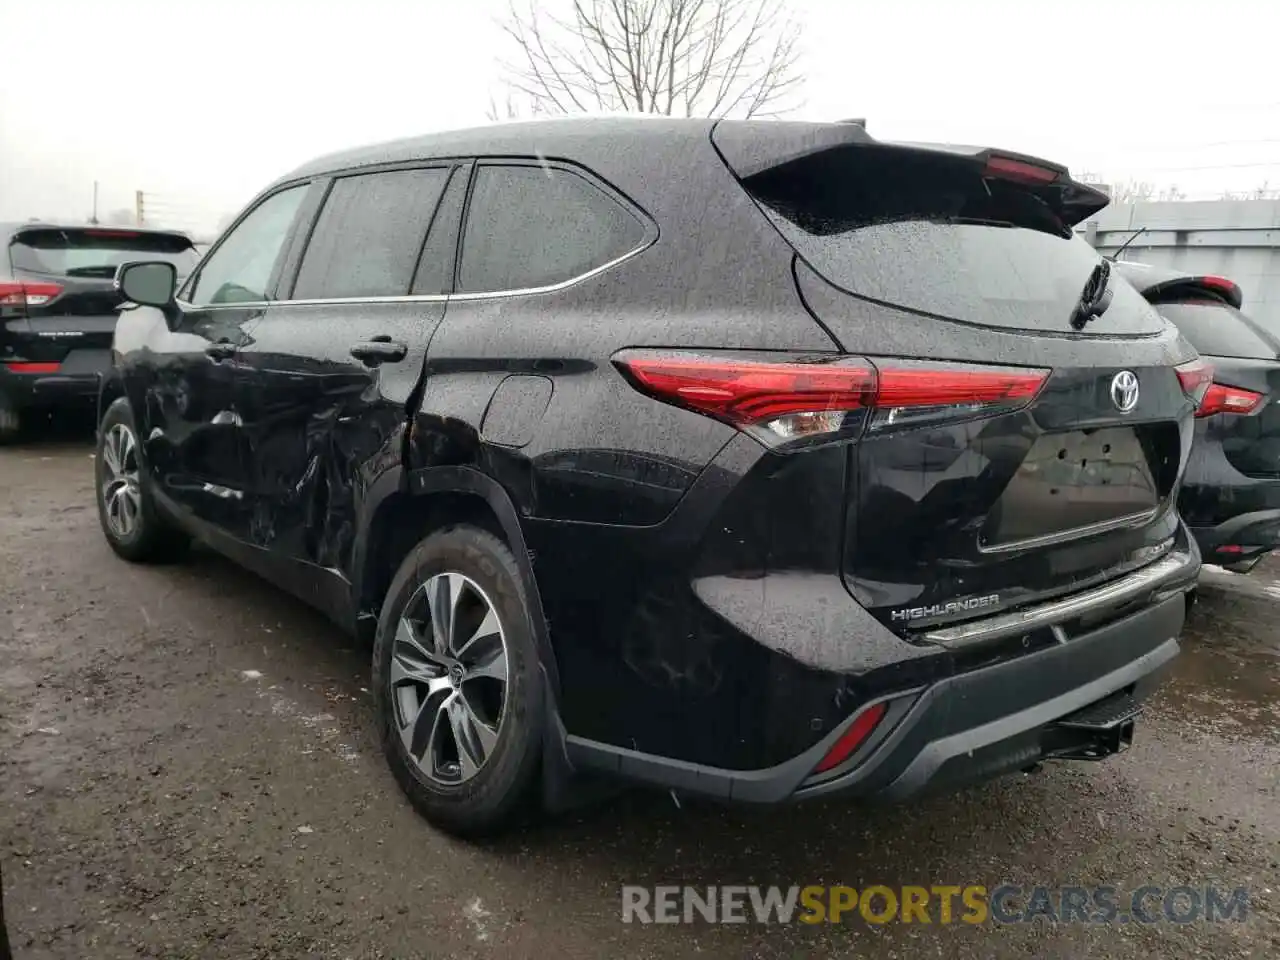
{"x":94,"y":219}
{"x":138,"y":211}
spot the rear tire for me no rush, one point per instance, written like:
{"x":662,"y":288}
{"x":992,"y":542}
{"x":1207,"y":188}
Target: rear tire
{"x":10,"y":421}
{"x":134,"y":528}
{"x":458,"y":683}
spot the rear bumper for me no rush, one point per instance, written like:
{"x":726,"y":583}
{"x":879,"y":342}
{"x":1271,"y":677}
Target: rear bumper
{"x":1241,"y":537}
{"x":964,"y":728}
{"x":1009,"y":716}
{"x":48,"y":389}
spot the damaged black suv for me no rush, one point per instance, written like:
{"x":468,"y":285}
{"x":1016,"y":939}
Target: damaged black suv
{"x":759,"y":461}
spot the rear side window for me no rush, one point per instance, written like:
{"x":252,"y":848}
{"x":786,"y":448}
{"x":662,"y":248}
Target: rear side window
{"x":927,"y":231}
{"x":1217,"y":329}
{"x":95,"y":253}
{"x":530,"y":227}
{"x":369,"y":234}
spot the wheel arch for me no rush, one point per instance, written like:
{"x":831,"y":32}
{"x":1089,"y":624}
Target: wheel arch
{"x":110,"y":389}
{"x":403,"y":506}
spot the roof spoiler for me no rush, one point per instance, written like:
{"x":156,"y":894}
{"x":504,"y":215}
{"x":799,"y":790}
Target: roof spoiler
{"x":750,"y":147}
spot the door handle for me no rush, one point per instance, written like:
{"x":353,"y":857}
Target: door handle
{"x":379,"y":350}
{"x":222,"y":350}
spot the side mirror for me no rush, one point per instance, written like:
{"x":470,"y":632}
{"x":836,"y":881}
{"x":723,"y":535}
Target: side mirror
{"x":150,"y":283}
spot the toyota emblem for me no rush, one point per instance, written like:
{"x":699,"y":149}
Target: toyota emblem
{"x":1124,"y":390}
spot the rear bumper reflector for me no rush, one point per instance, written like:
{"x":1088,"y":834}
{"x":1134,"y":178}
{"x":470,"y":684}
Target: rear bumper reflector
{"x":1059,"y":611}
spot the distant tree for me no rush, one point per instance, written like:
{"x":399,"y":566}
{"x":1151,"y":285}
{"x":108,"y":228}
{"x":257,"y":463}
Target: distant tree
{"x":120,"y":217}
{"x":1132,"y":191}
{"x":1172,"y":194}
{"x":673,"y":57}
{"x":510,"y":109}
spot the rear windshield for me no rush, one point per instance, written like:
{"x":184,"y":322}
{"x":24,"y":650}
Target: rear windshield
{"x":1218,"y":329}
{"x":927,"y":232}
{"x":96,"y":253}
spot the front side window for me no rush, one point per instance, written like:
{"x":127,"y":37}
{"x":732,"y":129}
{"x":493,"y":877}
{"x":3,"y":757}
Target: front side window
{"x":369,"y":234}
{"x":240,"y":269}
{"x":533,"y":226}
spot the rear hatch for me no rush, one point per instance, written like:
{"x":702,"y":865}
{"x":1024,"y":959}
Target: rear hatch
{"x":1239,"y":411}
{"x":59,"y":310}
{"x":1031,"y":427}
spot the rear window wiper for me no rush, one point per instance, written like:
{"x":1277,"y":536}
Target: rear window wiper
{"x":1096,"y":296}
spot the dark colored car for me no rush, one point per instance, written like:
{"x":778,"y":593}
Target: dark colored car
{"x":58,"y":309}
{"x":1231,"y":495}
{"x":752,"y":460}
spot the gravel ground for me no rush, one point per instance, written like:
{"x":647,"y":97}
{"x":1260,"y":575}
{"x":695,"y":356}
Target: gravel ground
{"x":187,"y":769}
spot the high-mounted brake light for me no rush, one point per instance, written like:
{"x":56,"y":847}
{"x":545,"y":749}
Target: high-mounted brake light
{"x":1007,"y":168}
{"x":1219,"y":283}
{"x":1195,"y":377}
{"x":781,"y":400}
{"x":852,"y":738}
{"x":130,"y":234}
{"x":1223,"y":399}
{"x":27,"y":294}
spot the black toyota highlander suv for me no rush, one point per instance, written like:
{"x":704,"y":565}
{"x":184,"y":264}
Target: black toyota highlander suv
{"x":58,"y":309}
{"x":754,"y":460}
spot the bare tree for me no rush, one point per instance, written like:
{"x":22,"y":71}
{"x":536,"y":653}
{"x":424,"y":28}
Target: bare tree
{"x":1132,"y":191}
{"x":120,"y":217}
{"x":674,"y":57}
{"x":1172,"y":193}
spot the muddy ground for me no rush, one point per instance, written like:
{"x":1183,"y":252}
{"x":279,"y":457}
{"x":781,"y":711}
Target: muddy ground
{"x":187,"y":769}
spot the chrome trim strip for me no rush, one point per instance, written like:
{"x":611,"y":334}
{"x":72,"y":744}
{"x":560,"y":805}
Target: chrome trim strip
{"x":431,"y":297}
{"x":1062,"y":536}
{"x":1057,"y":611}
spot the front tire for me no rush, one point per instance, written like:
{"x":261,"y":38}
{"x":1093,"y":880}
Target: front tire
{"x":134,"y":529}
{"x":457,"y":682}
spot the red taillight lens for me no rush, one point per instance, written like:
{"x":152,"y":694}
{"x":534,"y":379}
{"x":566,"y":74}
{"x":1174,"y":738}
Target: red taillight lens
{"x":913,"y":393}
{"x":1223,"y":399}
{"x":19,"y":366}
{"x":1007,"y":168}
{"x":750,"y":391}
{"x":1220,"y":283}
{"x":852,"y":738}
{"x":1195,"y":377}
{"x":27,"y":294}
{"x":784,"y":400}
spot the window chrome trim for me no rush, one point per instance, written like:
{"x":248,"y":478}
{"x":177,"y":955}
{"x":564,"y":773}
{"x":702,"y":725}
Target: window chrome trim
{"x":1059,"y":611}
{"x":441,"y":297}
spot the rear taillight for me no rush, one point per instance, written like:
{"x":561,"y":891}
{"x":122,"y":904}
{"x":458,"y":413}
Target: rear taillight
{"x":783,"y":400}
{"x":1220,"y":398}
{"x":1195,"y":377}
{"x":27,"y":294}
{"x":33,"y":366}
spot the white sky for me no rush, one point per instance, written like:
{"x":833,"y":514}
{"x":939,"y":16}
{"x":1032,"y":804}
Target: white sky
{"x":201,"y":102}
